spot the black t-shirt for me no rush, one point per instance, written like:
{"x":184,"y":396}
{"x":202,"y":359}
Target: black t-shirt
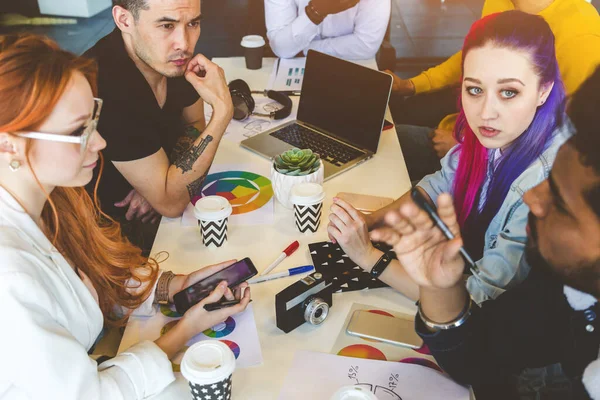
{"x":131,"y":121}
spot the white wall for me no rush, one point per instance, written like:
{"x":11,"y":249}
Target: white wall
{"x":73,"y":8}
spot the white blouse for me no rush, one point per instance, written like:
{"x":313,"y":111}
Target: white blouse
{"x":353,"y":34}
{"x":50,"y":321}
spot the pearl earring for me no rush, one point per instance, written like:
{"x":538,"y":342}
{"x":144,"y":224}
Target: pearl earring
{"x":14,"y":165}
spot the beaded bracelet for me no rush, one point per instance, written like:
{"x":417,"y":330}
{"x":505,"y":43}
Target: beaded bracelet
{"x":162,"y":287}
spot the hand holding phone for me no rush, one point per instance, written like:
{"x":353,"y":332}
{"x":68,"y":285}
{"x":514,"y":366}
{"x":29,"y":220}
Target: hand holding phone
{"x":233,"y":275}
{"x":221,"y":304}
{"x":431,"y":210}
{"x":197,"y":318}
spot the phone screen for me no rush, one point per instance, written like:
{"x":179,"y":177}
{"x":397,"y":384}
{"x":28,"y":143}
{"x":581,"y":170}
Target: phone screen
{"x":233,"y":275}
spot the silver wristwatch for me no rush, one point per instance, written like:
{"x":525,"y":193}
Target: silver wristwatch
{"x":458,"y":321}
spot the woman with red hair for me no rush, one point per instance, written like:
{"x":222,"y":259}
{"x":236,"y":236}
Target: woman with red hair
{"x":66,"y":270}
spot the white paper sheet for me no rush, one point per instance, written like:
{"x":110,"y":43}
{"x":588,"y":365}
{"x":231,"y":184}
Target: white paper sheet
{"x":290,"y":73}
{"x":261,"y":216}
{"x":238,"y":332}
{"x":320,"y":375}
{"x":237,"y":131}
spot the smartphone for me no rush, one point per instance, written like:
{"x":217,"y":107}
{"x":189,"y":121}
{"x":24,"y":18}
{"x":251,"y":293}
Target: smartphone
{"x":234,"y":275}
{"x":387,"y":125}
{"x":221,"y":304}
{"x":365,"y":202}
{"x":393,"y":330}
{"x":430,"y":208}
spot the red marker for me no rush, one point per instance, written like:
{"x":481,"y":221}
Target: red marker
{"x":286,"y":253}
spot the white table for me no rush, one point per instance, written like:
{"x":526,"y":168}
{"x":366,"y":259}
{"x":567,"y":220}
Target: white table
{"x":385,"y":175}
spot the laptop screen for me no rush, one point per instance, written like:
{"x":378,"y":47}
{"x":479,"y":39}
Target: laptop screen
{"x":344,"y":99}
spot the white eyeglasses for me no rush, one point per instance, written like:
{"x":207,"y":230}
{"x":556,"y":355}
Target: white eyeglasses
{"x":83,"y":139}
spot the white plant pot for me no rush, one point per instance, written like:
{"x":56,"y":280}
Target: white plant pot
{"x":283,"y":184}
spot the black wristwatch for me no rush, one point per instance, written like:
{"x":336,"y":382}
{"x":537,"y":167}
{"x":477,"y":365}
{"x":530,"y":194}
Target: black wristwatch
{"x":381,"y":265}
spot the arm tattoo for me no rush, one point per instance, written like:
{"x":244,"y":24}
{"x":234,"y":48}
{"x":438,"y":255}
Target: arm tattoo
{"x":184,"y":142}
{"x":195,"y":187}
{"x":186,"y":161}
{"x":192,"y":132}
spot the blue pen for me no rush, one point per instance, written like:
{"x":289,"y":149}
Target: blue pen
{"x":283,"y":274}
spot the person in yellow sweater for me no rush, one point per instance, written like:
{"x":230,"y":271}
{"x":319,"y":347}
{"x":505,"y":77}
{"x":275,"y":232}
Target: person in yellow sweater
{"x":576,"y":27}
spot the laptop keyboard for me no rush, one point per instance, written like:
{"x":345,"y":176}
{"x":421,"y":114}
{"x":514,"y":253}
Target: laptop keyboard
{"x":330,"y":150}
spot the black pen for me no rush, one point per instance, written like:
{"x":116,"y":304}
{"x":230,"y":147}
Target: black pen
{"x":286,"y":92}
{"x":431,"y":210}
{"x":291,"y":92}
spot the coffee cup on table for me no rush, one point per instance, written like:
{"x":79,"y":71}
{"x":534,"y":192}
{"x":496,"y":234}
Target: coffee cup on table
{"x":208,"y":366}
{"x":213,"y":214}
{"x":307,"y":199}
{"x":353,"y":392}
{"x":254,"y":46}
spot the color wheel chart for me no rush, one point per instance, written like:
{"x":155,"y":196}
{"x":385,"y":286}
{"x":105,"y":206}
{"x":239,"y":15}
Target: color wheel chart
{"x":221,"y":330}
{"x":234,"y":347}
{"x":246,"y":191}
{"x":250,"y":195}
{"x":169,"y":311}
{"x":238,"y":332}
{"x":362,"y":351}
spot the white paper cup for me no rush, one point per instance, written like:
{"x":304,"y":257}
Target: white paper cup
{"x":208,"y":367}
{"x":354,"y":392}
{"x":213,"y":214}
{"x":307,"y":199}
{"x":254,"y":46}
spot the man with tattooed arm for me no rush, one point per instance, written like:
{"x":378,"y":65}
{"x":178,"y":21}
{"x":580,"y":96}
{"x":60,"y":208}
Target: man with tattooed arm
{"x":159,"y":147}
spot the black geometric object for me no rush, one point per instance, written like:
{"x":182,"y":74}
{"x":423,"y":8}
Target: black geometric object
{"x":214,"y":232}
{"x":330,"y":260}
{"x":213,"y":391}
{"x":308,"y":218}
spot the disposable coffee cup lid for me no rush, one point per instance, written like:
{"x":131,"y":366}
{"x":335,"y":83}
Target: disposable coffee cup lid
{"x":353,"y":393}
{"x":207,"y":362}
{"x":253,"y":41}
{"x":306,"y":194}
{"x":212,"y":208}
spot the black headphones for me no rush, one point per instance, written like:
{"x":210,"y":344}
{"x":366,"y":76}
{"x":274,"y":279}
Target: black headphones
{"x":243,"y":103}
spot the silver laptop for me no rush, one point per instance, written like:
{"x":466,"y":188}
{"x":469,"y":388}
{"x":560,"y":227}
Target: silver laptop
{"x":340,"y":116}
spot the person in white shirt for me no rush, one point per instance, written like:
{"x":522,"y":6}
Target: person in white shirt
{"x":348,"y":29}
{"x":65,"y":269}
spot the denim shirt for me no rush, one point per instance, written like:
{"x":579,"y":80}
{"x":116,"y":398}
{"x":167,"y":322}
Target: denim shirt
{"x":503,"y":264}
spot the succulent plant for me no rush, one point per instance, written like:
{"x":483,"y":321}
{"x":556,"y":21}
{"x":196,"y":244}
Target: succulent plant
{"x":296,"y":162}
